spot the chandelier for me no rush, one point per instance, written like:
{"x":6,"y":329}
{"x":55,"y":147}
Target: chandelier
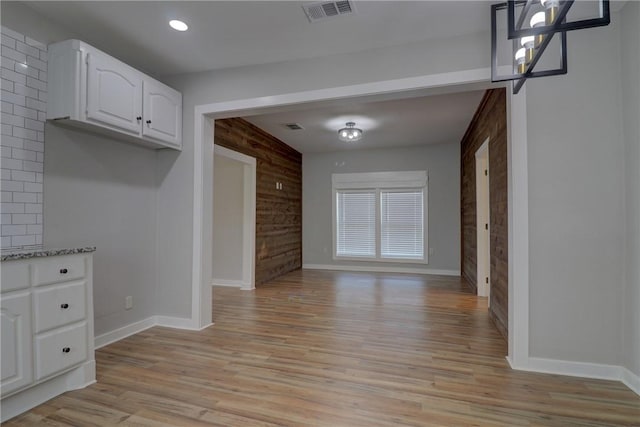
{"x":350,"y":133}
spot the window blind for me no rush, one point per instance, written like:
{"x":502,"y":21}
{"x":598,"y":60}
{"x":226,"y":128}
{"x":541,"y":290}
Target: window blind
{"x":401,"y":224}
{"x":356,"y":223}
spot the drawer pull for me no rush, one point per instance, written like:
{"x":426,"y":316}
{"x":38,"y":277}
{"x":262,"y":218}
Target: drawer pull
{"x":66,"y":350}
{"x":63,"y":271}
{"x":64,"y":306}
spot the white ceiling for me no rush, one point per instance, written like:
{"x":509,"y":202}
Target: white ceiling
{"x":225,"y":34}
{"x":386,"y":124}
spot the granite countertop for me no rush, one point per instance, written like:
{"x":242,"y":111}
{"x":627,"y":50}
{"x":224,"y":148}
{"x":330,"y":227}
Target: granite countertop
{"x":33,"y":252}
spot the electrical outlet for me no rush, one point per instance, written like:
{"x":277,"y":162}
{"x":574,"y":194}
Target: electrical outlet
{"x":431,"y":251}
{"x":128,"y":302}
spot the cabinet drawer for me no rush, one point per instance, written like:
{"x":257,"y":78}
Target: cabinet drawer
{"x":59,"y":305}
{"x":58,"y":269}
{"x":15,"y":275}
{"x":60,"y":349}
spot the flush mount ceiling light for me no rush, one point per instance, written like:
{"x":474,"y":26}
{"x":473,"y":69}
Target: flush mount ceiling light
{"x":178,"y":25}
{"x":531,"y":27}
{"x":350,"y":133}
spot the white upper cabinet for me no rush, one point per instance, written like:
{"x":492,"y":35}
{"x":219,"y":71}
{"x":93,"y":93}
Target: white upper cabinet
{"x":94,"y":91}
{"x":113,"y":94}
{"x":163,"y":113}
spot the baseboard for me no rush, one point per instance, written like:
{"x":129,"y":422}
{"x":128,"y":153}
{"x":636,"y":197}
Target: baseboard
{"x":134,"y":328}
{"x":582,"y":369}
{"x":228,"y":283}
{"x":125,"y":331}
{"x":631,"y":380}
{"x":381,"y":269}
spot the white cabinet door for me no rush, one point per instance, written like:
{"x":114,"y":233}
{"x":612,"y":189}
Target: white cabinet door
{"x":162,"y":107}
{"x":17,"y":346}
{"x":114,"y":94}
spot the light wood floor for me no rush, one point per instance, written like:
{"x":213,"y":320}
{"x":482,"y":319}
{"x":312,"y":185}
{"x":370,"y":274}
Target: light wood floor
{"x":333,"y":349}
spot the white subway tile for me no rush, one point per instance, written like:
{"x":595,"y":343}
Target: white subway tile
{"x":13,"y":120}
{"x":39,"y":157}
{"x":5,"y":218}
{"x":42,"y":116}
{"x":12,"y":208}
{"x":39,"y":177}
{"x":28,"y":113}
{"x":13,"y":76}
{"x":13,"y":34}
{"x":23,"y":176}
{"x":7,"y":196}
{"x":36,"y":84}
{"x":32,"y":72}
{"x":14,"y":229}
{"x":34,"y":229}
{"x":5,"y":175}
{"x":18,"y":153}
{"x":32,"y":187}
{"x":7,"y":107}
{"x":6,"y":152}
{"x":23,"y":240}
{"x":7,"y":130}
{"x":25,"y":133}
{"x":11,"y":141}
{"x":5,"y":242}
{"x":28,"y":50}
{"x":9,"y":64}
{"x":13,"y":98}
{"x":39,"y":219}
{"x":40,"y":136}
{"x":6,"y":85}
{"x":43,"y":76}
{"x":34,"y":125}
{"x":38,"y":239}
{"x":40,"y":198}
{"x":8,"y":185}
{"x":20,"y":68}
{"x":37,"y":105}
{"x":42,"y":95}
{"x":8,"y":41}
{"x":24,"y":198}
{"x":36,"y":43}
{"x":7,"y":52}
{"x":27,"y":218}
{"x":35,"y":63}
{"x":21,"y":89}
{"x":33,"y":146}
{"x":33,"y":208}
{"x":32,"y":166}
{"x":43,"y":56}
{"x":13,"y":164}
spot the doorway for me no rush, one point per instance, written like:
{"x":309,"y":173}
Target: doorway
{"x":234,"y":219}
{"x":483,"y":241}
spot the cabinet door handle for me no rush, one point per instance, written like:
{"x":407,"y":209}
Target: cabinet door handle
{"x":139,"y":118}
{"x":64,"y":306}
{"x":66,"y":350}
{"x":148,"y":122}
{"x":63,"y":271}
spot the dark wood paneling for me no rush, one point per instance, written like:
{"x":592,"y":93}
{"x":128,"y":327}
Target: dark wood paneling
{"x":490,"y":121}
{"x":278,"y":212}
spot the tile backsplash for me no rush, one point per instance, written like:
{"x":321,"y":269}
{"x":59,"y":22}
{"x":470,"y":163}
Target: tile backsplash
{"x":24,"y":104}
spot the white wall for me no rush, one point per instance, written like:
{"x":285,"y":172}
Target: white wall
{"x":576,"y":205}
{"x":630,"y":85}
{"x":442,"y":162}
{"x":99,"y":192}
{"x":228,"y":219}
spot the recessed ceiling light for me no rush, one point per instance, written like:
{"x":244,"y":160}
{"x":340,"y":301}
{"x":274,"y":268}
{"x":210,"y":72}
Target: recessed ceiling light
{"x":178,"y":25}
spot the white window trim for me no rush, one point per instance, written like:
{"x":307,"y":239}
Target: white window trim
{"x":404,"y":180}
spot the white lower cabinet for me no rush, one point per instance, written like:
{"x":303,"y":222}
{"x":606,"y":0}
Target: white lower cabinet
{"x":47,"y":329}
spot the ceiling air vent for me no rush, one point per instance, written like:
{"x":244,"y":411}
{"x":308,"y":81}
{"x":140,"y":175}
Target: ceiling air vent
{"x":327,"y":9}
{"x":293,"y":126}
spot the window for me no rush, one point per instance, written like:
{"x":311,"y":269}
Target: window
{"x":380,"y":216}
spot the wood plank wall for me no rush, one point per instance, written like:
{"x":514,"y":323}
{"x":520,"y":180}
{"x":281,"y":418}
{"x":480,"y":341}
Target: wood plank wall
{"x":489,"y":121}
{"x":278,"y":212}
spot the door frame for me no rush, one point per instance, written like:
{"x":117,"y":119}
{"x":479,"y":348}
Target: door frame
{"x":483,"y":216}
{"x":518,"y":198}
{"x":248,"y":281}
